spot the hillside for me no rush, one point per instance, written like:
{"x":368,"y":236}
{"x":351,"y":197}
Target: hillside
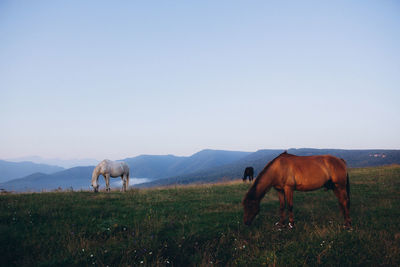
{"x":152,"y":166}
{"x":159,"y":166}
{"x":202,"y":226}
{"x":13,"y":170}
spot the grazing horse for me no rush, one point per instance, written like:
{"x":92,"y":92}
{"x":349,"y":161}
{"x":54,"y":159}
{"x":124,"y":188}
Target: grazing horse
{"x":248,"y":173}
{"x":287,"y":173}
{"x":108,"y":169}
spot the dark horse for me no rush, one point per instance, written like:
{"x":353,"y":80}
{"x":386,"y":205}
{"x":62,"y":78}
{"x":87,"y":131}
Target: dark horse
{"x":248,"y":173}
{"x":287,"y":173}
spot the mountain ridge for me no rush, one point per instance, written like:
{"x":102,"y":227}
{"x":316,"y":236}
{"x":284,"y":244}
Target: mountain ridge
{"x":258,"y":159}
{"x":202,"y":167}
{"x":142,"y":166}
{"x":64,"y":163}
{"x":163,"y":166}
{"x":13,"y":170}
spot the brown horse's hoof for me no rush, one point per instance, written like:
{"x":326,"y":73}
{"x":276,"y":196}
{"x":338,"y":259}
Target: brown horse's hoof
{"x":279,"y":226}
{"x":348,"y":227}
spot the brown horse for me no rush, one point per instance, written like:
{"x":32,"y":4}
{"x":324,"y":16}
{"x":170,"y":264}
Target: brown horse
{"x":287,"y":173}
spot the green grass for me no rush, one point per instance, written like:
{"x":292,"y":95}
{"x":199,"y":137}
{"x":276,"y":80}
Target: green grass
{"x":202,"y":226}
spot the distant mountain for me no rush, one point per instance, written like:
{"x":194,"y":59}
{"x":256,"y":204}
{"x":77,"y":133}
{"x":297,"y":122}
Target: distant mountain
{"x":39,"y":181}
{"x":155,"y":166}
{"x":152,"y":166}
{"x":12,"y":170}
{"x":208,"y":159}
{"x":146,"y":166}
{"x":229,"y":171}
{"x":234,"y":170}
{"x":65,"y":163}
{"x":202,"y":167}
{"x":356,"y":158}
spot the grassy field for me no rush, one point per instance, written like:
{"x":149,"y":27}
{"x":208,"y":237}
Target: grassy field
{"x":202,"y":226}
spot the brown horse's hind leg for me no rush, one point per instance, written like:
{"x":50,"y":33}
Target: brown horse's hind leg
{"x":289,"y":200}
{"x":341,"y":194}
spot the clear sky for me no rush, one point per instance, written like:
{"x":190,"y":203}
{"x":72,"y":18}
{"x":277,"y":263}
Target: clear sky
{"x":114,"y":79}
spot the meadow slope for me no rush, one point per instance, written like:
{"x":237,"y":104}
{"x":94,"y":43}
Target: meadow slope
{"x":202,"y":226}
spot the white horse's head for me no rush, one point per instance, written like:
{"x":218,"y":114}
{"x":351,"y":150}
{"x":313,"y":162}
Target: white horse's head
{"x":95,"y":177}
{"x":95,"y":188}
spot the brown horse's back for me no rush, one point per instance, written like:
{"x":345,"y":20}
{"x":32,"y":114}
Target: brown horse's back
{"x":306,"y":173}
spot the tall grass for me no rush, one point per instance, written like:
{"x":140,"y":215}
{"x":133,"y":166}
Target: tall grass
{"x":202,"y":226}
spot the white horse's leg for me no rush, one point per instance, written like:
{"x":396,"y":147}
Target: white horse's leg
{"x":123,"y":178}
{"x":107,"y":178}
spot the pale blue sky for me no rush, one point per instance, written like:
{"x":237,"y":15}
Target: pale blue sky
{"x":113,"y":79}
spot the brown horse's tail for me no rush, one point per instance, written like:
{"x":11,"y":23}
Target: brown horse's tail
{"x":348,"y":191}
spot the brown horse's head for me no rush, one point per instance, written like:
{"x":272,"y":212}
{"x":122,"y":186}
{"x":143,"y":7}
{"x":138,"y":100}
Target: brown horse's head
{"x":251,"y":209}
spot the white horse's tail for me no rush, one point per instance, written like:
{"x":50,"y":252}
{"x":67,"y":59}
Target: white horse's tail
{"x":125,"y":176}
{"x":127,"y":180}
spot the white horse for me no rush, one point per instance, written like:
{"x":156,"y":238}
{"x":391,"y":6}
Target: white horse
{"x":108,"y":169}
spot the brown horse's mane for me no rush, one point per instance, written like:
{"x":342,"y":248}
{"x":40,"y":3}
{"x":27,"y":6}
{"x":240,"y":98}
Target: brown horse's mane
{"x":251,"y":194}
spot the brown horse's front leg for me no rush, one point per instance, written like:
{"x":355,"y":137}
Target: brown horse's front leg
{"x":282,"y":205}
{"x":289,"y":199}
